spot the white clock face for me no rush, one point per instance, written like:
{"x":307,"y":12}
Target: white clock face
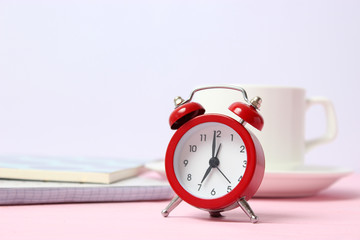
{"x":210,"y":160}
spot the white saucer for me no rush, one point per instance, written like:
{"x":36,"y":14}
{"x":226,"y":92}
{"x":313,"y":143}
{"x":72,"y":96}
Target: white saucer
{"x":301,"y":182}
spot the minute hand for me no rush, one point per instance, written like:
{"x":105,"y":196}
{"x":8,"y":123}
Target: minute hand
{"x":214,"y":144}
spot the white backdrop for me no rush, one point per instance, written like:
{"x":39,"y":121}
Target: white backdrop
{"x":97,"y":78}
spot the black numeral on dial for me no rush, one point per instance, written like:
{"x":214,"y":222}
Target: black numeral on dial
{"x":189,"y":177}
{"x":242,"y":148}
{"x":193,"y":148}
{"x":244,"y":163}
{"x":218,"y":133}
{"x":203,"y":137}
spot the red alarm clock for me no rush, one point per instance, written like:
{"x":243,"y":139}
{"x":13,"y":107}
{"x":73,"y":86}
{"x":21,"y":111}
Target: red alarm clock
{"x":212,"y":161}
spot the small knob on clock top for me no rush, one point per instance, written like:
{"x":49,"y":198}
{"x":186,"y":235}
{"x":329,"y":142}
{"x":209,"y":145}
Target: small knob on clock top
{"x":178,"y":101}
{"x":256,"y":102}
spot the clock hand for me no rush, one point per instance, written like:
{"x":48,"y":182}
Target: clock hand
{"x":214,"y":162}
{"x":219,"y":163}
{"x":217,"y":152}
{"x":223,"y":174}
{"x":206,"y":173}
{"x":214,"y":144}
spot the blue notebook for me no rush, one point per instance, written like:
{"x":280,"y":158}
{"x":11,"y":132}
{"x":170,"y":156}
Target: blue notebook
{"x":69,"y":169}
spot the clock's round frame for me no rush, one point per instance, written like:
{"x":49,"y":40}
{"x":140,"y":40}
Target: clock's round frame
{"x":250,"y":181}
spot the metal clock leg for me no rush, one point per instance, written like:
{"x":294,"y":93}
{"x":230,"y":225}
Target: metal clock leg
{"x":173,"y":204}
{"x":247,"y":209}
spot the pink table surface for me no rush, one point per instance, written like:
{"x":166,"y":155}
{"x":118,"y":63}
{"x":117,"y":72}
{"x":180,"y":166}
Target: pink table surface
{"x":332,"y":214}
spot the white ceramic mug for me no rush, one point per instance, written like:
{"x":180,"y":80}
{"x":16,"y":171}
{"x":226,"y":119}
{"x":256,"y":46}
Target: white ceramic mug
{"x":284,"y":110}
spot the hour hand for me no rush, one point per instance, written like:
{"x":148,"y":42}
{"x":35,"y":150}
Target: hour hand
{"x":206,"y":173}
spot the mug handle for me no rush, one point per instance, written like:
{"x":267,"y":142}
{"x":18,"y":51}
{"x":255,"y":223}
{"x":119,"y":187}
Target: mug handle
{"x":331,"y":129}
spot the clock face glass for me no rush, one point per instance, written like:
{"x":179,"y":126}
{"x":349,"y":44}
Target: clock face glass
{"x":210,"y":160}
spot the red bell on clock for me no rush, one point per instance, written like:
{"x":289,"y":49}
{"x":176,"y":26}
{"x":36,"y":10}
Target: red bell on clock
{"x":249,"y":113}
{"x":184,"y":113}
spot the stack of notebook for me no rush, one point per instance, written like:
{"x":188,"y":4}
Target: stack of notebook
{"x":35,"y":180}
